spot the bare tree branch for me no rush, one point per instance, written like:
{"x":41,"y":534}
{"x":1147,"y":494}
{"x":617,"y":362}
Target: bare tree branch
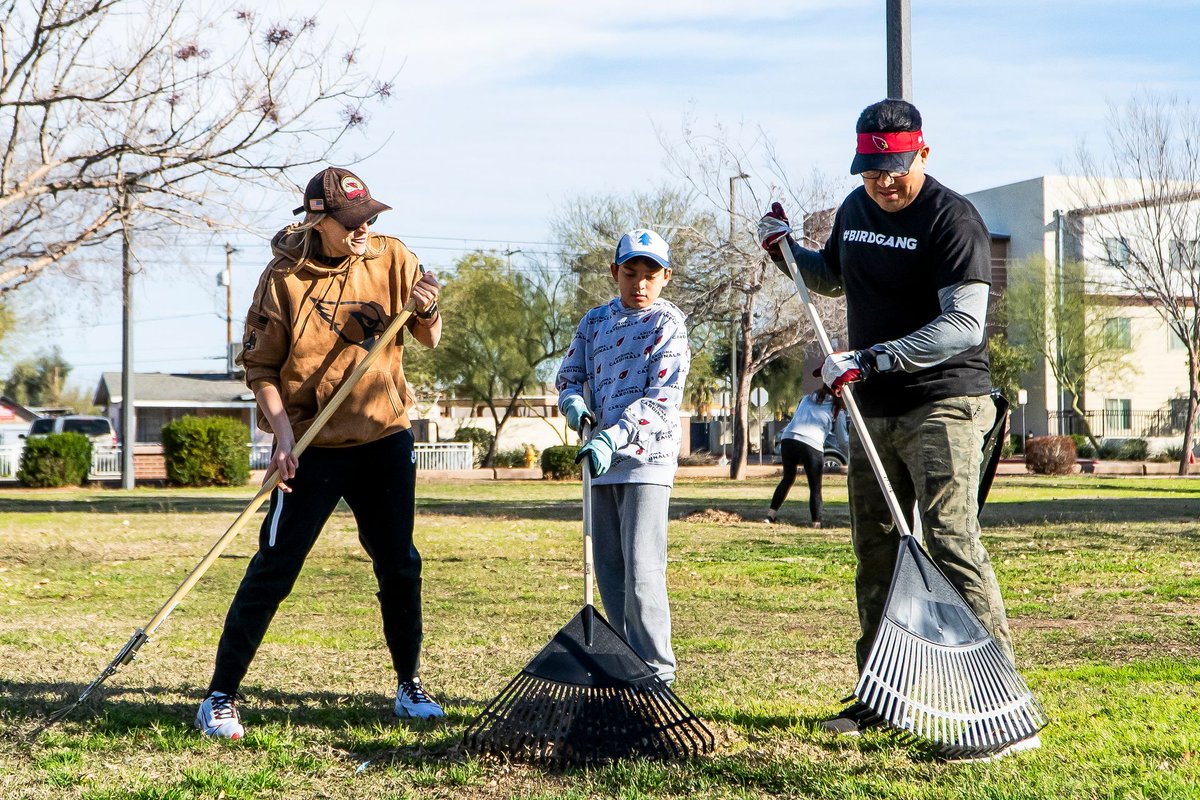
{"x":177,"y":101}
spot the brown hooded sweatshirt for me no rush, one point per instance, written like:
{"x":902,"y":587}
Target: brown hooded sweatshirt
{"x":314,"y":319}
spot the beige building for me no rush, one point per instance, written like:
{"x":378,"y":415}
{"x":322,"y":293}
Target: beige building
{"x":1060,"y":219}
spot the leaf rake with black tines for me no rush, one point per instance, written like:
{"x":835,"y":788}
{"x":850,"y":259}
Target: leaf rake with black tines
{"x":588,"y":698}
{"x":934,"y":672}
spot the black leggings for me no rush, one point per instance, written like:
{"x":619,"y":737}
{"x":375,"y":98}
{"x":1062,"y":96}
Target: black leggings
{"x":377,"y":480}
{"x":794,"y":453}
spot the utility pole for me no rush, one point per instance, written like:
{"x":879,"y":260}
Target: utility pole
{"x":228,"y":300}
{"x":899,"y":50}
{"x":128,"y":418}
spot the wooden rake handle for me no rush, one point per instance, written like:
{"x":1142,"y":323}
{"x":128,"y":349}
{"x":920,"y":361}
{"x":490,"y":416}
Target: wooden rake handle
{"x":389,"y":335}
{"x":889,"y":494}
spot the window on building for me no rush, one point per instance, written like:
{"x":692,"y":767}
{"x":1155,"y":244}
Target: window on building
{"x":1174,"y":342}
{"x":1185,"y":254}
{"x":1118,"y":333}
{"x":1118,"y":414}
{"x":1116,"y":251}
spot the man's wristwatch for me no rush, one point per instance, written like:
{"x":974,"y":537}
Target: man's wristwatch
{"x":880,"y":359}
{"x":428,"y":313}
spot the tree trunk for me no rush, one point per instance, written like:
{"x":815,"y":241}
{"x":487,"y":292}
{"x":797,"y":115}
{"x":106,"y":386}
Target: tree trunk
{"x":1189,"y":426}
{"x":1087,"y":428}
{"x":741,"y":402}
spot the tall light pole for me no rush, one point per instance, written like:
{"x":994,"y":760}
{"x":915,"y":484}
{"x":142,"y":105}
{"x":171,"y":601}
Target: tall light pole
{"x":228,"y":281}
{"x":899,"y":51}
{"x":128,"y":417}
{"x":733,"y":339}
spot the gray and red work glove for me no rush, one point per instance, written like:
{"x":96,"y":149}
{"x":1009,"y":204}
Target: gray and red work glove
{"x":846,"y":367}
{"x":774,"y":227}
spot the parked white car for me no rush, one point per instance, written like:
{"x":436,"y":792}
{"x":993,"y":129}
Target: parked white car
{"x":98,"y":429}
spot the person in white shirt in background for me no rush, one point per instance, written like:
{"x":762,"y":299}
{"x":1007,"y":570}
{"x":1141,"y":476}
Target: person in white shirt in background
{"x":802,"y":442}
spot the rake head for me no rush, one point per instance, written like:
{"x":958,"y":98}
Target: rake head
{"x":936,"y":674}
{"x":587,"y":700}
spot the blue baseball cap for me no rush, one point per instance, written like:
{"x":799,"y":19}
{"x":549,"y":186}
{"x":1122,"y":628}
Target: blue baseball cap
{"x":645,"y":244}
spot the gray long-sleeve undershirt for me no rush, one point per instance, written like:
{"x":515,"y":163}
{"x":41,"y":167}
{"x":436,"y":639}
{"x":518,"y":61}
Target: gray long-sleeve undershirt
{"x":959,"y":327}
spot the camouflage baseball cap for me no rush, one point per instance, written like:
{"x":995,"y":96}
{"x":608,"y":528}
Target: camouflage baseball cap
{"x":342,"y":195}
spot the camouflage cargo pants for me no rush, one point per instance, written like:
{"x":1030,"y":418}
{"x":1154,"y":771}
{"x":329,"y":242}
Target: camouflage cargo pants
{"x":932,"y":457}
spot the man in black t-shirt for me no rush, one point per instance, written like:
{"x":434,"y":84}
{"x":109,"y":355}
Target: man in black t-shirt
{"x":913,"y":260}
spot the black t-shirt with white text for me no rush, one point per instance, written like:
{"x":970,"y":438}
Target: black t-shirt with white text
{"x":892,"y":266}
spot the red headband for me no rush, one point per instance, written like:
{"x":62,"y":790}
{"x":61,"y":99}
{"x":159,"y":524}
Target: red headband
{"x":895,"y":142}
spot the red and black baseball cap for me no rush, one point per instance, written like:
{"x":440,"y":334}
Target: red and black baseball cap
{"x":893,"y":151}
{"x":342,"y":195}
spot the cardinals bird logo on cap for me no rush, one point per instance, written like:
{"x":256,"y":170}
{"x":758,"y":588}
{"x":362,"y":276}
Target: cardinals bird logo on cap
{"x":353,"y":187}
{"x":880,"y":142}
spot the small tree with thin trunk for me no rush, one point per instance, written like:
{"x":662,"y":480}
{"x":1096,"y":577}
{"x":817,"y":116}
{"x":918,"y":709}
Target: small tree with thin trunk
{"x":1141,"y":221}
{"x":504,"y":327}
{"x":1064,"y":327}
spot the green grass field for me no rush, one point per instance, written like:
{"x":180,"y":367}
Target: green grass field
{"x":1101,"y":576}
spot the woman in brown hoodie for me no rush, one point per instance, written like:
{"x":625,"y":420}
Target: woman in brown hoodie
{"x":323,"y":301}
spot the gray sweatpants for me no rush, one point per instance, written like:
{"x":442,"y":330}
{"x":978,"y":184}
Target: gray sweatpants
{"x":629,"y":539}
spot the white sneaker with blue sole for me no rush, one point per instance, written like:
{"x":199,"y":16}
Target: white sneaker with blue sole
{"x":412,"y":701}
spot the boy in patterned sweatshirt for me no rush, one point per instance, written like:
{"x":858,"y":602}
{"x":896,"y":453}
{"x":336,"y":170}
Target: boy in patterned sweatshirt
{"x":633,"y":354}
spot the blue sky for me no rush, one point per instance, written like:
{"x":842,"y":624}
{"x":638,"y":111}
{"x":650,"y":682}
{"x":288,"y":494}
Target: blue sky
{"x":505,"y":111}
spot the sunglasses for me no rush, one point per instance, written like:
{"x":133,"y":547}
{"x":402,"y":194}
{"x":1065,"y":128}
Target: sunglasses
{"x":370,"y":221}
{"x":876,"y":174}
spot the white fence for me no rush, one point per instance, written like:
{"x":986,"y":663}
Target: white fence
{"x":445,"y":455}
{"x":106,"y":461}
{"x":430,"y":456}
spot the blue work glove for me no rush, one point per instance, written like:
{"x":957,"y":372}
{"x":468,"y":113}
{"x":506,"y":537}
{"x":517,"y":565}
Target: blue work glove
{"x":773,"y":227}
{"x":846,"y":367}
{"x":599,"y":451}
{"x":577,"y":411}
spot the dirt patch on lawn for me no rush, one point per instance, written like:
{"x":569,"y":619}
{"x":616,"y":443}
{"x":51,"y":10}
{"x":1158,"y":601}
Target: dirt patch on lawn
{"x":717,"y":516}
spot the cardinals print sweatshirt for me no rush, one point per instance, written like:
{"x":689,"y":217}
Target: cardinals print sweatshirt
{"x":634,"y":363}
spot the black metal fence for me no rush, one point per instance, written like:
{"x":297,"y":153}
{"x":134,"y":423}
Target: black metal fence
{"x":1120,"y":424}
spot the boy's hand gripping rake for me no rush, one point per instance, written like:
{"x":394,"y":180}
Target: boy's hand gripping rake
{"x":933,"y":672}
{"x":142,"y":635}
{"x":587,"y":697}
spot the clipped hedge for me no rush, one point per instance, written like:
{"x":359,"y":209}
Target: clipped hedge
{"x":558,"y":463}
{"x":57,"y":459}
{"x":206,"y":451}
{"x":1050,"y":455}
{"x":480,"y":438}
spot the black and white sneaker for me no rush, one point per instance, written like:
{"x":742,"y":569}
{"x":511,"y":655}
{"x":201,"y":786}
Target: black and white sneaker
{"x":414,"y":702}
{"x":218,"y":716}
{"x":852,"y":721}
{"x":960,"y":755}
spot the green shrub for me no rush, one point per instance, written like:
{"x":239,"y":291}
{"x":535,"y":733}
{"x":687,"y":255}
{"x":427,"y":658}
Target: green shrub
{"x":480,"y":438}
{"x":58,"y":459}
{"x":1050,"y":455}
{"x":1134,"y":450}
{"x":1083,"y":448}
{"x":1171,"y":454}
{"x":206,"y":451}
{"x":514,"y":457}
{"x":558,"y":463}
{"x":1110,"y":449}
